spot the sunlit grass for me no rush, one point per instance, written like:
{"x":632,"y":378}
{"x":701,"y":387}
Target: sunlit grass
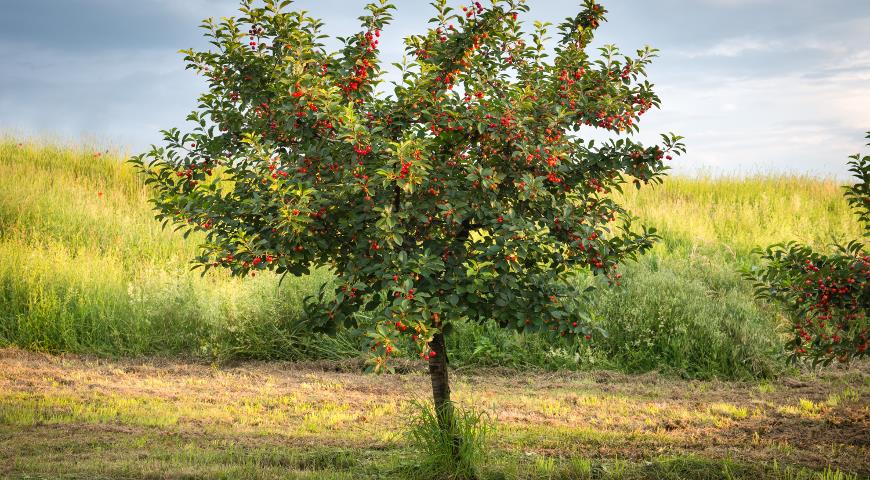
{"x":732,"y":216}
{"x":264,"y":421}
{"x":86,"y":269}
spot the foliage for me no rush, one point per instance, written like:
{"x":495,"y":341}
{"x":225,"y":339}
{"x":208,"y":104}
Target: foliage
{"x":706,"y":326}
{"x":827,"y":294}
{"x":465,"y":192}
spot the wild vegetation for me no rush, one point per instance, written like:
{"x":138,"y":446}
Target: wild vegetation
{"x":87,"y":270}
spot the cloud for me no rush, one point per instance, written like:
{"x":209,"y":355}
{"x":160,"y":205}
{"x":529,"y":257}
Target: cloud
{"x":738,"y":46}
{"x":197,"y":9}
{"x":123,"y":96}
{"x":733,"y":47}
{"x":784,"y":123}
{"x":762,"y":86}
{"x":853,"y":67}
{"x":739,"y":3}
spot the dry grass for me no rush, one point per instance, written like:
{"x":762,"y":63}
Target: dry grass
{"x":259,"y":419}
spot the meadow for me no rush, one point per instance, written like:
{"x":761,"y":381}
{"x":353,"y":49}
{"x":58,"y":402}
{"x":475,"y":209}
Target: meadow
{"x":87,"y":270}
{"x":114,"y":353}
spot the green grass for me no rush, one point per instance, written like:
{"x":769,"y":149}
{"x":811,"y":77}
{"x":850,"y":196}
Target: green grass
{"x":728,"y":217}
{"x":452,"y":453}
{"x":153,"y":456}
{"x":86,"y":269}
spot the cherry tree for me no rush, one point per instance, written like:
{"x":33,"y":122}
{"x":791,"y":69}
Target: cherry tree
{"x":466,"y":190}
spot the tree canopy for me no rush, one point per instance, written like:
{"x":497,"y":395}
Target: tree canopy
{"x":465,"y":190}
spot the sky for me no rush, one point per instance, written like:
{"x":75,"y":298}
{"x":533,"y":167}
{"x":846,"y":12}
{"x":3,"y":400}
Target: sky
{"x":755,"y":86}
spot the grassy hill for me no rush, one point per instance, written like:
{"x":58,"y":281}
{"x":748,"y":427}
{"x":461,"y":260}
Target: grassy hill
{"x":84,"y":268}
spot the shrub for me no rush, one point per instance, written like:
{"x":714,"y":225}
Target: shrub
{"x":826,"y":294}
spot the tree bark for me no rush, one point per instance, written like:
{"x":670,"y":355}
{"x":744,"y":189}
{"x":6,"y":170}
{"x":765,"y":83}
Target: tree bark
{"x":440,"y":383}
{"x":441,"y":392}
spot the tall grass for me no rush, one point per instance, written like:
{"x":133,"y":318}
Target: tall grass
{"x":728,"y":217}
{"x":447,"y":450}
{"x":690,"y":317}
{"x":85,"y":268}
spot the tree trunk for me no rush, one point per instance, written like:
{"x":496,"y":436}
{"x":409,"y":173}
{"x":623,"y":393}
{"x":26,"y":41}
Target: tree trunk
{"x":440,"y":384}
{"x":441,"y":392}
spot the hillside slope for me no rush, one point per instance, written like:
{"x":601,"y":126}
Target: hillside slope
{"x":84,"y":268}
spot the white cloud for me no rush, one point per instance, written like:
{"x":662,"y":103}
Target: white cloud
{"x":784,"y":123}
{"x":733,"y":47}
{"x":837,"y":39}
{"x":737,"y":46}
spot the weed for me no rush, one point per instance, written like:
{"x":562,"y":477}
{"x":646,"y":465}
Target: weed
{"x":453,"y":452}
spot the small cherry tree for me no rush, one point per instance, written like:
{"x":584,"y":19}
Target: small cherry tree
{"x":827,"y":296}
{"x":463,"y":192}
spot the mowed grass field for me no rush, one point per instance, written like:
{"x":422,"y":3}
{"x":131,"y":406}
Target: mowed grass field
{"x":74,"y":417}
{"x":117,"y":362}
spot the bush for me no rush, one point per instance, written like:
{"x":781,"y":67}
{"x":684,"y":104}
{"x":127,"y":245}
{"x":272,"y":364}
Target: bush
{"x":694,"y":318}
{"x":827,"y":295}
{"x":689,"y":317}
